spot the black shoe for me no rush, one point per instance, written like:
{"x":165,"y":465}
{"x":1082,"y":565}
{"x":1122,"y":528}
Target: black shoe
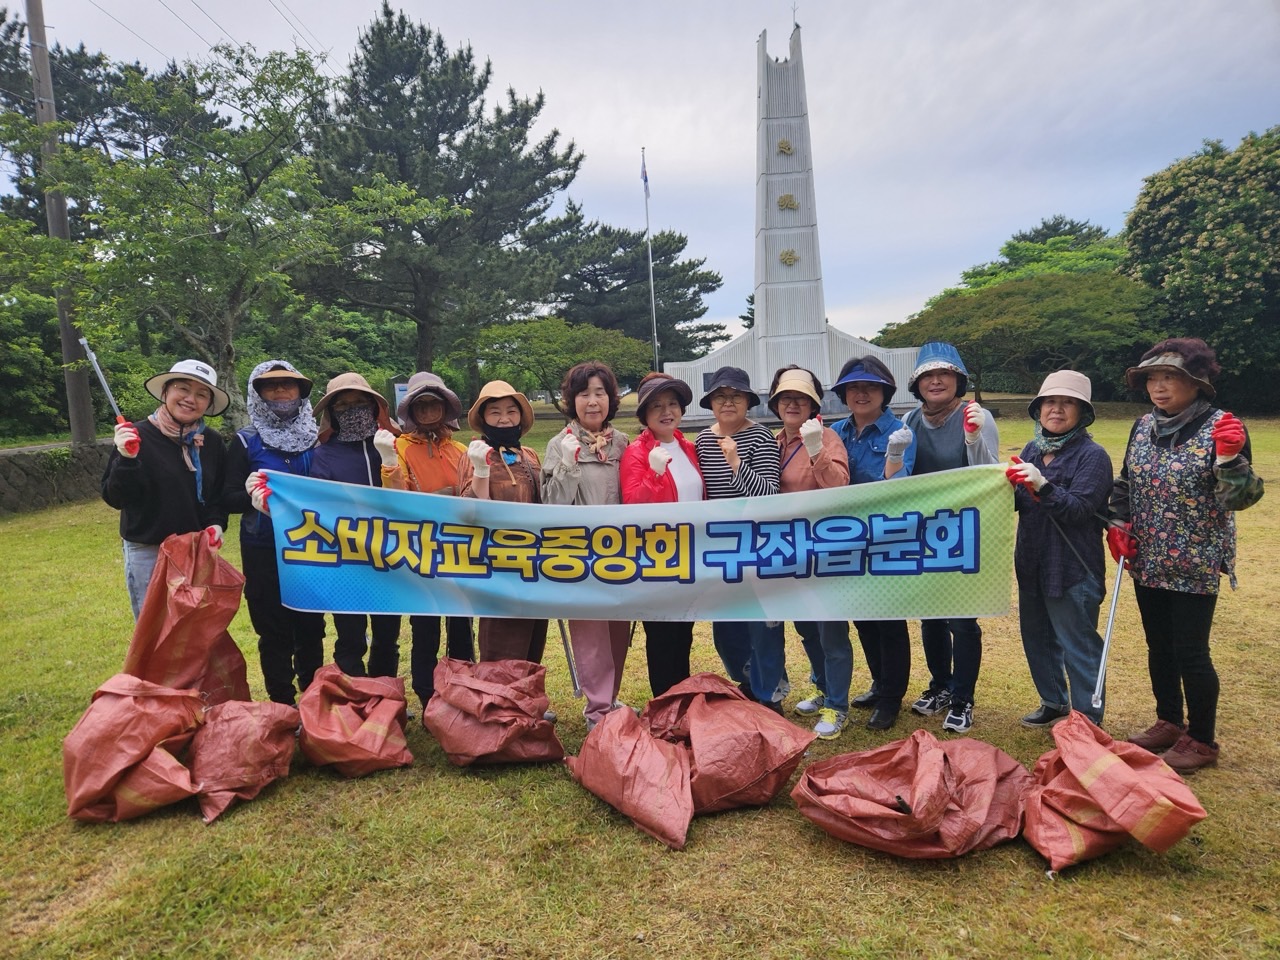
{"x":1044,"y":717}
{"x":882,"y":718}
{"x":865,"y":701}
{"x":774,"y":705}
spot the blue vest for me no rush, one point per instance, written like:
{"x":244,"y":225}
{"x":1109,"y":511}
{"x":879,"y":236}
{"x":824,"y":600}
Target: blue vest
{"x":255,"y":527}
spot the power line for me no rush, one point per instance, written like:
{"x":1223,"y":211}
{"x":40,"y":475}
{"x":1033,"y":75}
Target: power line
{"x":209,"y":17}
{"x":301,"y":29}
{"x":134,"y":32}
{"x":185,"y":24}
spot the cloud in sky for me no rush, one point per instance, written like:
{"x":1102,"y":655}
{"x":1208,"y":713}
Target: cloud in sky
{"x":939,"y":127}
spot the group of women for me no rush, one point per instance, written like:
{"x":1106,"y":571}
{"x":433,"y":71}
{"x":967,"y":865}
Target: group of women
{"x":1169,"y":516}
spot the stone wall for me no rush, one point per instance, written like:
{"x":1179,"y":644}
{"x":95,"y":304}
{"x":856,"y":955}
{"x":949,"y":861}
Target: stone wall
{"x":32,"y":478}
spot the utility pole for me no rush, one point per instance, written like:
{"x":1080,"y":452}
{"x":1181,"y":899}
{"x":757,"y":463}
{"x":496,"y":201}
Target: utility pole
{"x":74,"y":371}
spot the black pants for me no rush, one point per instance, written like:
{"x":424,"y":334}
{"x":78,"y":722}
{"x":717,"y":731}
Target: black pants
{"x":290,"y":642}
{"x":942,"y":640}
{"x":350,"y":647}
{"x":1177,"y":626}
{"x":425,"y":652}
{"x":887,"y":647}
{"x":666,"y":647}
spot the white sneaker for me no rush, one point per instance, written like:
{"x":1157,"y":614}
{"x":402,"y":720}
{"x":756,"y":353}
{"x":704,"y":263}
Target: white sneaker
{"x":830,"y":724}
{"x":811,"y":704}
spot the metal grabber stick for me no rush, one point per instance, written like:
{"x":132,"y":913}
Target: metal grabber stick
{"x":102,"y":379}
{"x":1106,"y":640}
{"x":568,"y":658}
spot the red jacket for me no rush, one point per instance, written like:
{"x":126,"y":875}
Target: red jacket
{"x":639,"y":483}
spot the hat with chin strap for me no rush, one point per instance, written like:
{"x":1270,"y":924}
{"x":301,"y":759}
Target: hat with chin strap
{"x":197,"y":371}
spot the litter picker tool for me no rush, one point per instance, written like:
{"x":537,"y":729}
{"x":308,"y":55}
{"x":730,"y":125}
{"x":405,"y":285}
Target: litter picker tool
{"x":568,"y":658}
{"x":102,"y":379}
{"x":1106,"y":640}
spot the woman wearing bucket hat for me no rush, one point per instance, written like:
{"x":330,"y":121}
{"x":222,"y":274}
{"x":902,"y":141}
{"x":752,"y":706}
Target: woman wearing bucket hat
{"x":661,"y":466}
{"x":812,"y":457}
{"x":879,"y":448}
{"x":949,"y":433}
{"x":498,"y":467}
{"x":1186,"y":471}
{"x":1061,"y":484}
{"x":582,"y":467}
{"x":739,"y":458}
{"x":349,"y":414}
{"x":281,"y":434}
{"x":165,"y":475}
{"x":425,"y":458}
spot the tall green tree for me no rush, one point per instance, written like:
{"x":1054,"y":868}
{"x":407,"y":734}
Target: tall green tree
{"x":414,"y":112}
{"x":1057,"y":245}
{"x":32,"y":401}
{"x":1205,"y":235}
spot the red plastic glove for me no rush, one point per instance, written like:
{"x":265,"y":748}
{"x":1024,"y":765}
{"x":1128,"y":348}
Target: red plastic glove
{"x":126,"y":438}
{"x":973,"y":420}
{"x":1121,"y":542}
{"x":214,"y":533}
{"x":1025,"y":474}
{"x":1228,"y":436}
{"x":256,"y":486}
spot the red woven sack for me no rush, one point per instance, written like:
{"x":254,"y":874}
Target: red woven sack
{"x":640,"y":776}
{"x":355,"y":724}
{"x":917,"y":798}
{"x":120,"y":759}
{"x":1092,"y":793}
{"x":741,"y":754}
{"x":492,"y":712}
{"x":240,"y":748}
{"x":181,"y":638}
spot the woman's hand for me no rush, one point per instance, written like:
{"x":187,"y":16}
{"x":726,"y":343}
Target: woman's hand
{"x":478,"y":454}
{"x":1228,"y":437}
{"x":729,"y":447}
{"x":127,"y":439}
{"x":256,"y":486}
{"x":658,"y":460}
{"x":811,"y":436}
{"x":899,"y":440}
{"x":974,"y":418}
{"x":384,"y":441}
{"x":1121,"y":543}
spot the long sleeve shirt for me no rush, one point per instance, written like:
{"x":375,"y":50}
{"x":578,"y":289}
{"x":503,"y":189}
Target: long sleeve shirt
{"x":830,"y":468}
{"x":588,"y":479}
{"x":757,"y":474}
{"x":867,"y":449}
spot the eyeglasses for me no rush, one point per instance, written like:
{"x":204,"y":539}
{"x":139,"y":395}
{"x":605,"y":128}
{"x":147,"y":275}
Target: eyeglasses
{"x":721,"y":399}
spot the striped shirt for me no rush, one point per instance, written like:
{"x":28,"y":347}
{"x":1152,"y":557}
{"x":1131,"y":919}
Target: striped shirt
{"x":758,"y":472}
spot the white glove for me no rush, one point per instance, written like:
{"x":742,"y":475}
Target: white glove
{"x":658,"y":460}
{"x":570,"y":446}
{"x":811,"y":436}
{"x":384,"y":441}
{"x":974,"y":419}
{"x":256,"y":486}
{"x":899,"y":440}
{"x":127,"y":440}
{"x":1026,"y":473}
{"x":214,"y":533}
{"x":478,"y":454}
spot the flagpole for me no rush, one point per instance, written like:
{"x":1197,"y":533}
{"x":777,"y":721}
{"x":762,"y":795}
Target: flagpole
{"x":653,"y":303}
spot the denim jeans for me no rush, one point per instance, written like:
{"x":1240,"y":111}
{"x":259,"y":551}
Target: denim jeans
{"x":943,"y":639}
{"x":139,"y":564}
{"x":1064,"y":650}
{"x":752,"y":652}
{"x":830,"y":659}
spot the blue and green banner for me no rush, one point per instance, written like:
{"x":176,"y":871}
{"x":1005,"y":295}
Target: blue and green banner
{"x":939,"y":545}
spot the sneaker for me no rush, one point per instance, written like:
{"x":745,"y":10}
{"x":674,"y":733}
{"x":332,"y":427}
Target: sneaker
{"x":1158,"y":737}
{"x":1044,"y":717}
{"x":811,"y":704}
{"x":932,"y":701}
{"x":830,"y":723}
{"x":1187,"y":755}
{"x":959,"y":717}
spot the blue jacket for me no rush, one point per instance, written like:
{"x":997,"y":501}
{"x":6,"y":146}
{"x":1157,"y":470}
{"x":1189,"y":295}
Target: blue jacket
{"x":347,"y":461}
{"x":248,"y":453}
{"x":867,"y":452}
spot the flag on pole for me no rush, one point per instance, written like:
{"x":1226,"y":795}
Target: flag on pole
{"x":644,"y":175}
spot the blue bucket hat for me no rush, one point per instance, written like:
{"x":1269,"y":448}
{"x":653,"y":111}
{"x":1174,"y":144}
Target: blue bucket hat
{"x":936,"y":355}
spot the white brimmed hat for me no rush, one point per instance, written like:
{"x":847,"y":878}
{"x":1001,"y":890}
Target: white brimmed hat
{"x":198,"y":371}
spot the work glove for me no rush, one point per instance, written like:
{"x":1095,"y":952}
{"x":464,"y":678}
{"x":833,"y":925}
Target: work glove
{"x":384,"y":441}
{"x":974,"y":418}
{"x":1228,"y":437}
{"x":127,"y":439}
{"x":214,"y":533}
{"x":570,"y":446}
{"x":1026,"y":474}
{"x":1121,"y":543}
{"x":658,"y":460}
{"x":478,"y":454}
{"x":899,"y":440}
{"x":256,"y":486}
{"x":811,"y":436}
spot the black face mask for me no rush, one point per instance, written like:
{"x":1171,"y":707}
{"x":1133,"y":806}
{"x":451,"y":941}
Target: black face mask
{"x":502,"y":437}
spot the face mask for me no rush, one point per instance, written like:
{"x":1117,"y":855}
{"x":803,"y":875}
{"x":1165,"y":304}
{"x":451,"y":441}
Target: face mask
{"x":498,"y":437}
{"x":356,"y":423}
{"x":284,"y":409}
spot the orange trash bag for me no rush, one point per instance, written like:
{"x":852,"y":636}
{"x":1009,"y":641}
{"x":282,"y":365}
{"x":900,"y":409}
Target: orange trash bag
{"x":239,"y":749}
{"x":491,"y":712}
{"x":181,"y":638}
{"x":355,"y":724}
{"x":637,"y":774}
{"x":121,"y":759}
{"x":741,"y":754}
{"x":1092,"y":793}
{"x":917,"y":798}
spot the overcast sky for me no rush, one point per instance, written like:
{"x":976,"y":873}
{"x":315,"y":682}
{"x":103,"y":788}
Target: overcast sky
{"x":940,"y":127}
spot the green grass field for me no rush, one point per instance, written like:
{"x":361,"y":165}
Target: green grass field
{"x":434,"y":861}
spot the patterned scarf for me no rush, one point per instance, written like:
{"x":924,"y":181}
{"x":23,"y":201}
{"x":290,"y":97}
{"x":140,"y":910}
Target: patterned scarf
{"x":289,"y":426}
{"x":357,"y":423}
{"x":1046,"y":442}
{"x":597,"y":443}
{"x":189,"y":436}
